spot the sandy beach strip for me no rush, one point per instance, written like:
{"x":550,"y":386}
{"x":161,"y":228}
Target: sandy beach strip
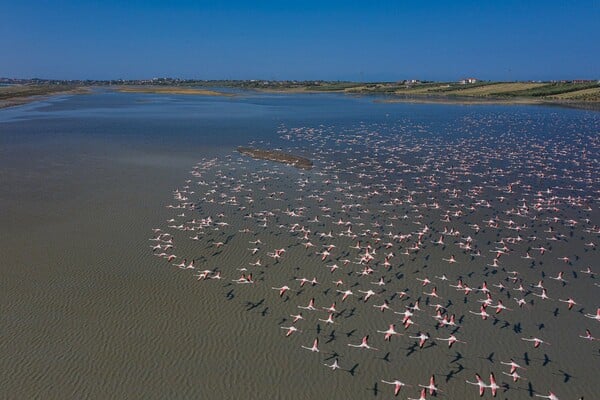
{"x":172,"y":90}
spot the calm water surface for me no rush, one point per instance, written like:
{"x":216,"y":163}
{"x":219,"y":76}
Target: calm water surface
{"x":87,"y":311}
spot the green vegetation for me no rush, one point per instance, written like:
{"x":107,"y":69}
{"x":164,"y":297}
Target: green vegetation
{"x":576,"y":93}
{"x":334,"y":86}
{"x":586,"y":95}
{"x":494,"y":89}
{"x":454,"y":87}
{"x":552,"y":89}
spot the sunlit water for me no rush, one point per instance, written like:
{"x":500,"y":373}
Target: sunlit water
{"x":88,"y":309}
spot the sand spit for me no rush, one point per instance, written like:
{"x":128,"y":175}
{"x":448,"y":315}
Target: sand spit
{"x":18,"y":95}
{"x":172,"y":90}
{"x":277,"y":156}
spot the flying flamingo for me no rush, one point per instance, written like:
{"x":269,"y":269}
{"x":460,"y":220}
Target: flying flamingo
{"x":314,"y":348}
{"x":592,"y":316}
{"x":570,"y":302}
{"x":480,"y":383}
{"x":451,"y":340}
{"x":397,"y":385}
{"x":423,"y":337}
{"x":310,"y":306}
{"x":329,"y":319}
{"x":282,"y":290}
{"x":290,"y":330}
{"x":364,"y":344}
{"x":550,"y":396}
{"x":431,"y":387}
{"x":333,"y":366}
{"x":422,"y":397}
{"x":383,"y":307}
{"x":514,"y":375}
{"x":389,"y":332}
{"x":536,"y":341}
{"x":493,"y":386}
{"x":588,"y":335}
{"x":513,"y":365}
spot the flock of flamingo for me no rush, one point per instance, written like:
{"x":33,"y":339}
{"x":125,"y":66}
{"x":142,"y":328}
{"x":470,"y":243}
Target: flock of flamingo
{"x":470,"y":249}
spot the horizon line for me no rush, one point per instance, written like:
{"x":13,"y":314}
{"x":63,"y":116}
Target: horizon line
{"x":414,"y":80}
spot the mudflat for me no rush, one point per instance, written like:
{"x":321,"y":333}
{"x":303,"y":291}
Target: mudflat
{"x":22,"y":94}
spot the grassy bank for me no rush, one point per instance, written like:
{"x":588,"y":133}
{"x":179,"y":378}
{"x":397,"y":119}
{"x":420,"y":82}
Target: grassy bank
{"x":571,"y":94}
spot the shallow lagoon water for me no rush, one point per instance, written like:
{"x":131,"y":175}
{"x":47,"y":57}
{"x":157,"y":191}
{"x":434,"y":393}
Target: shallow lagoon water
{"x":89,"y":312}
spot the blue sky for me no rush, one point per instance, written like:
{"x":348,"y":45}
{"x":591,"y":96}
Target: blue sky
{"x":332,"y":40}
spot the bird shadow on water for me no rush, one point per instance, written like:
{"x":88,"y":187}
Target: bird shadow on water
{"x":352,"y":371}
{"x":411,"y":350}
{"x":351,"y":313}
{"x":546,"y":360}
{"x":566,"y":376}
{"x":517,"y":328}
{"x":452,"y":373}
{"x":541,"y":326}
{"x":251,"y":305}
{"x":430,"y":345}
{"x":374,"y":389}
{"x":457,"y":357}
{"x":490,"y":357}
{"x":331,"y":337}
{"x":505,"y":325}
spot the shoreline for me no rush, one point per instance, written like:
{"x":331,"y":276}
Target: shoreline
{"x":20,"y":95}
{"x":591,"y":106}
{"x":449,"y":100}
{"x":454,"y":100}
{"x":14,"y":96}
